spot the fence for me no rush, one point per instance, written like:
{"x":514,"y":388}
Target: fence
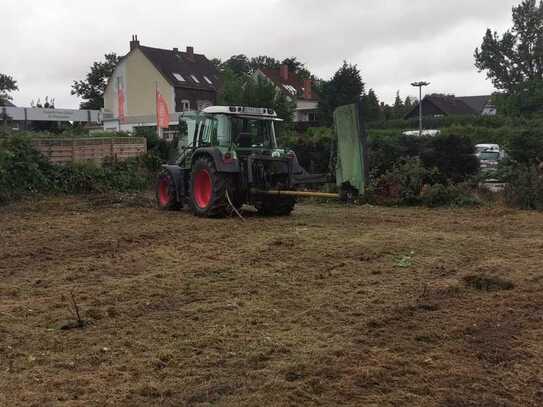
{"x":61,"y":151}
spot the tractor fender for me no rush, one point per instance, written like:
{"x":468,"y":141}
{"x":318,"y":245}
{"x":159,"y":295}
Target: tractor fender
{"x":177,"y":173}
{"x":215,"y":154}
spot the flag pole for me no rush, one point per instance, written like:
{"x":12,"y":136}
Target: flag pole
{"x":157,"y":115}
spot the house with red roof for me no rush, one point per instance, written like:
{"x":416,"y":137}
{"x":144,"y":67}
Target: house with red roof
{"x":300,"y":91}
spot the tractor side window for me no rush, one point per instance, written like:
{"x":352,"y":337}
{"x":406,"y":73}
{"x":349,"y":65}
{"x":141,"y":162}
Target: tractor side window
{"x":208,"y":132}
{"x":224,"y":131}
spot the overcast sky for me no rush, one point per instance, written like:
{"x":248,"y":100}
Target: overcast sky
{"x":48,"y":44}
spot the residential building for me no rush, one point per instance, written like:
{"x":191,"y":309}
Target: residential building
{"x":300,"y":91}
{"x":185,"y":79}
{"x":448,"y":105}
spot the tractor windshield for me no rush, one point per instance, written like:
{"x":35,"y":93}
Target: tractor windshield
{"x":252,"y":132}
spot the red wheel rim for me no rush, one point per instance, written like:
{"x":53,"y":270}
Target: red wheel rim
{"x":164,"y":191}
{"x":202,"y":188}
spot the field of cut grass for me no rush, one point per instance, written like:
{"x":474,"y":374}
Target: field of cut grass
{"x":335,"y":305}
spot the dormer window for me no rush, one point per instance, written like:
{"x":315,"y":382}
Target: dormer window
{"x":179,"y":77}
{"x":208,"y":80}
{"x":195,"y":79}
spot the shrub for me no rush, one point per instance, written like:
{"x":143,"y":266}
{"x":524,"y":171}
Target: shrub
{"x":402,"y":185}
{"x":23,"y":171}
{"x":524,"y":187}
{"x":447,"y":195}
{"x":526,"y":147}
{"x":454,"y":157}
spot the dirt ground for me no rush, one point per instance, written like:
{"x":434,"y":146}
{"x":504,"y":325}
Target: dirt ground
{"x":335,"y":305}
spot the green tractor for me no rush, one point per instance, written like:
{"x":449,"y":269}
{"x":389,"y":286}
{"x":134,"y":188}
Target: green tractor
{"x":231,"y":158}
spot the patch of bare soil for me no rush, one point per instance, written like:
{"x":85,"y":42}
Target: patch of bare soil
{"x":334,"y":305}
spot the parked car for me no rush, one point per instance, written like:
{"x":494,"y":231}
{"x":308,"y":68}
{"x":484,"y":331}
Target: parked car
{"x":489,"y":156}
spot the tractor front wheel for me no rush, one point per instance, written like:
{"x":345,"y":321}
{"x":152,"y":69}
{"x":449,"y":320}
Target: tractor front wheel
{"x":208,"y":189}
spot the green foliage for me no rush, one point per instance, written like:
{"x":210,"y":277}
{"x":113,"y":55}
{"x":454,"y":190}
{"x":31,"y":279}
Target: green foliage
{"x":259,"y":92}
{"x":525,"y":187}
{"x":344,"y":88}
{"x":402,"y":185}
{"x":264,"y":61}
{"x":410,"y":182}
{"x":7,"y":85}
{"x":92,"y":89}
{"x":24,"y":171}
{"x":524,"y":99}
{"x":526,"y":147}
{"x":371,"y":108}
{"x":312,"y":148}
{"x":453,"y":155}
{"x":232,"y":92}
{"x":166,"y":151}
{"x":515,"y":57}
{"x":238,"y":64}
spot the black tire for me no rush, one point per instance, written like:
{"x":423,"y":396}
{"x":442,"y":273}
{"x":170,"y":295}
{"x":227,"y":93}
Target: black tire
{"x":208,"y":190}
{"x":276,"y":206}
{"x":166,"y":193}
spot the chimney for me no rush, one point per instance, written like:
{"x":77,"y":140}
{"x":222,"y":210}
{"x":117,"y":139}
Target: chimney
{"x":190,"y":52}
{"x":134,"y":43}
{"x":308,"y":91}
{"x":284,"y":72}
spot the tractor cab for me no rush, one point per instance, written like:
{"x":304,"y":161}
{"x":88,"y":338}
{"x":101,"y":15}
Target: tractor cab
{"x":234,"y":129}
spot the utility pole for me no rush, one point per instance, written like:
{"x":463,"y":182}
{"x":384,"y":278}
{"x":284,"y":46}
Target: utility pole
{"x":420,"y":85}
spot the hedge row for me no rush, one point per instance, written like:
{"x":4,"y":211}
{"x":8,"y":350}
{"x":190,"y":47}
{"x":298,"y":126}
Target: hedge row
{"x":24,"y":171}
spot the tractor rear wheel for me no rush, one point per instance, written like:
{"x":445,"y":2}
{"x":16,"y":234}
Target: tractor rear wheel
{"x":276,"y":206}
{"x":208,"y":189}
{"x":166,"y":192}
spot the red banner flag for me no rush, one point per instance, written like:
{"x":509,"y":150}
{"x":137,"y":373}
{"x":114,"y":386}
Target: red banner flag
{"x":122,"y":113}
{"x":162,"y":112}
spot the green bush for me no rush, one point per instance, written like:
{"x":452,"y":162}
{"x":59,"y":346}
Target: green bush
{"x":524,"y":187}
{"x":454,"y":157}
{"x":438,"y":195}
{"x":24,"y":171}
{"x":526,"y":147}
{"x":402,"y":185}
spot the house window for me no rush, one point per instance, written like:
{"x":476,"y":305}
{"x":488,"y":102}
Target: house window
{"x":208,"y":80}
{"x":185,"y":105}
{"x":179,"y":77}
{"x":312,"y":116}
{"x":195,"y":79}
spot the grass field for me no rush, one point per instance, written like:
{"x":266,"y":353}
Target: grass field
{"x":361,"y":306}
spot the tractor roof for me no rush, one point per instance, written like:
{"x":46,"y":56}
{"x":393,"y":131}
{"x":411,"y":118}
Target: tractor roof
{"x":241,"y":110}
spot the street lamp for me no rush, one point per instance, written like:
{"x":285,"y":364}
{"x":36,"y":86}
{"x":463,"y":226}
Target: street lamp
{"x":420,"y":85}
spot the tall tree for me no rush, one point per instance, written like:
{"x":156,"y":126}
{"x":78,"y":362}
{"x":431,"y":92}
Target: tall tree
{"x":92,"y":89}
{"x":372,"y":109}
{"x":398,"y":108}
{"x":7,"y":85}
{"x":516,"y":56}
{"x":239,"y":64}
{"x":264,"y":61}
{"x":345,"y":87}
